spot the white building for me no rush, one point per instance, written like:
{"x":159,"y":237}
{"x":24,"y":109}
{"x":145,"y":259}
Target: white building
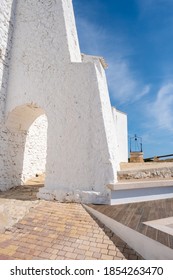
{"x":55,"y":111}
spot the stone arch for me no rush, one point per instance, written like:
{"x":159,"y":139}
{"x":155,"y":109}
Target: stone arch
{"x":27,"y":142}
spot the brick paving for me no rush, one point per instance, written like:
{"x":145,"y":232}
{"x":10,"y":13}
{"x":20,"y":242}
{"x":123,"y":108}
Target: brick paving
{"x":134,"y":215}
{"x":55,"y":231}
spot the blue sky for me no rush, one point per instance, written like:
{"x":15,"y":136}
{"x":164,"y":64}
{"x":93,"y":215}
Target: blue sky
{"x":136,"y":39}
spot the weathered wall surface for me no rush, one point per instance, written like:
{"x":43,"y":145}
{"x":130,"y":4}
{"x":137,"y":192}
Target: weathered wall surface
{"x":48,"y":76}
{"x":47,"y":73}
{"x":120,"y":126}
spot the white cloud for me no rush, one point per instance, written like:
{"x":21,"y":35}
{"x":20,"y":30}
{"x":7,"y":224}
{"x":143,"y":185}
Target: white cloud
{"x":125,"y":88}
{"x":161,"y":108}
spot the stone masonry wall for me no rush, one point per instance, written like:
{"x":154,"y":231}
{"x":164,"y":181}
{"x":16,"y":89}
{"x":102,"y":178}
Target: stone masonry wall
{"x":35,"y":149}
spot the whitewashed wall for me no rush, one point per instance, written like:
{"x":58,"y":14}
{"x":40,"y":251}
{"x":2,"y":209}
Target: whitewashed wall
{"x":47,"y":76}
{"x":120,"y":126}
{"x":22,"y":153}
{"x":48,"y":73}
{"x":35,"y":149}
{"x":7,"y":8}
{"x":6,"y":31}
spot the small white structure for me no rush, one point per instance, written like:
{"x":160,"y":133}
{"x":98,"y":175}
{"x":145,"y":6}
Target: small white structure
{"x":43,"y":76}
{"x":120,"y":120}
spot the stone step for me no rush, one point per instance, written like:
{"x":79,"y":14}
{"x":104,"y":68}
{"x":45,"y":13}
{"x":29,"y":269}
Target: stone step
{"x":133,"y":191}
{"x":127,"y":185}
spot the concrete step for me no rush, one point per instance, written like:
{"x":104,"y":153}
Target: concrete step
{"x":133,"y":191}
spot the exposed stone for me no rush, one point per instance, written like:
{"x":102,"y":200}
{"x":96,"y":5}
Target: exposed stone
{"x":158,"y":172}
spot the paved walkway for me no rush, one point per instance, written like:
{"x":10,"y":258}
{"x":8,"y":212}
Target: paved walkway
{"x":54,"y":231}
{"x":15,"y":204}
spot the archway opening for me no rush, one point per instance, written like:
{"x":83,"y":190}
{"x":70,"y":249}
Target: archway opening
{"x":27,"y":145}
{"x":35,"y":152}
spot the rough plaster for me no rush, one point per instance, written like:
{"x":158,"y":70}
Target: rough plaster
{"x":47,"y":76}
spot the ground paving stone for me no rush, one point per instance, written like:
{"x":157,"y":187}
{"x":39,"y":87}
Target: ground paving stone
{"x":51,"y":230}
